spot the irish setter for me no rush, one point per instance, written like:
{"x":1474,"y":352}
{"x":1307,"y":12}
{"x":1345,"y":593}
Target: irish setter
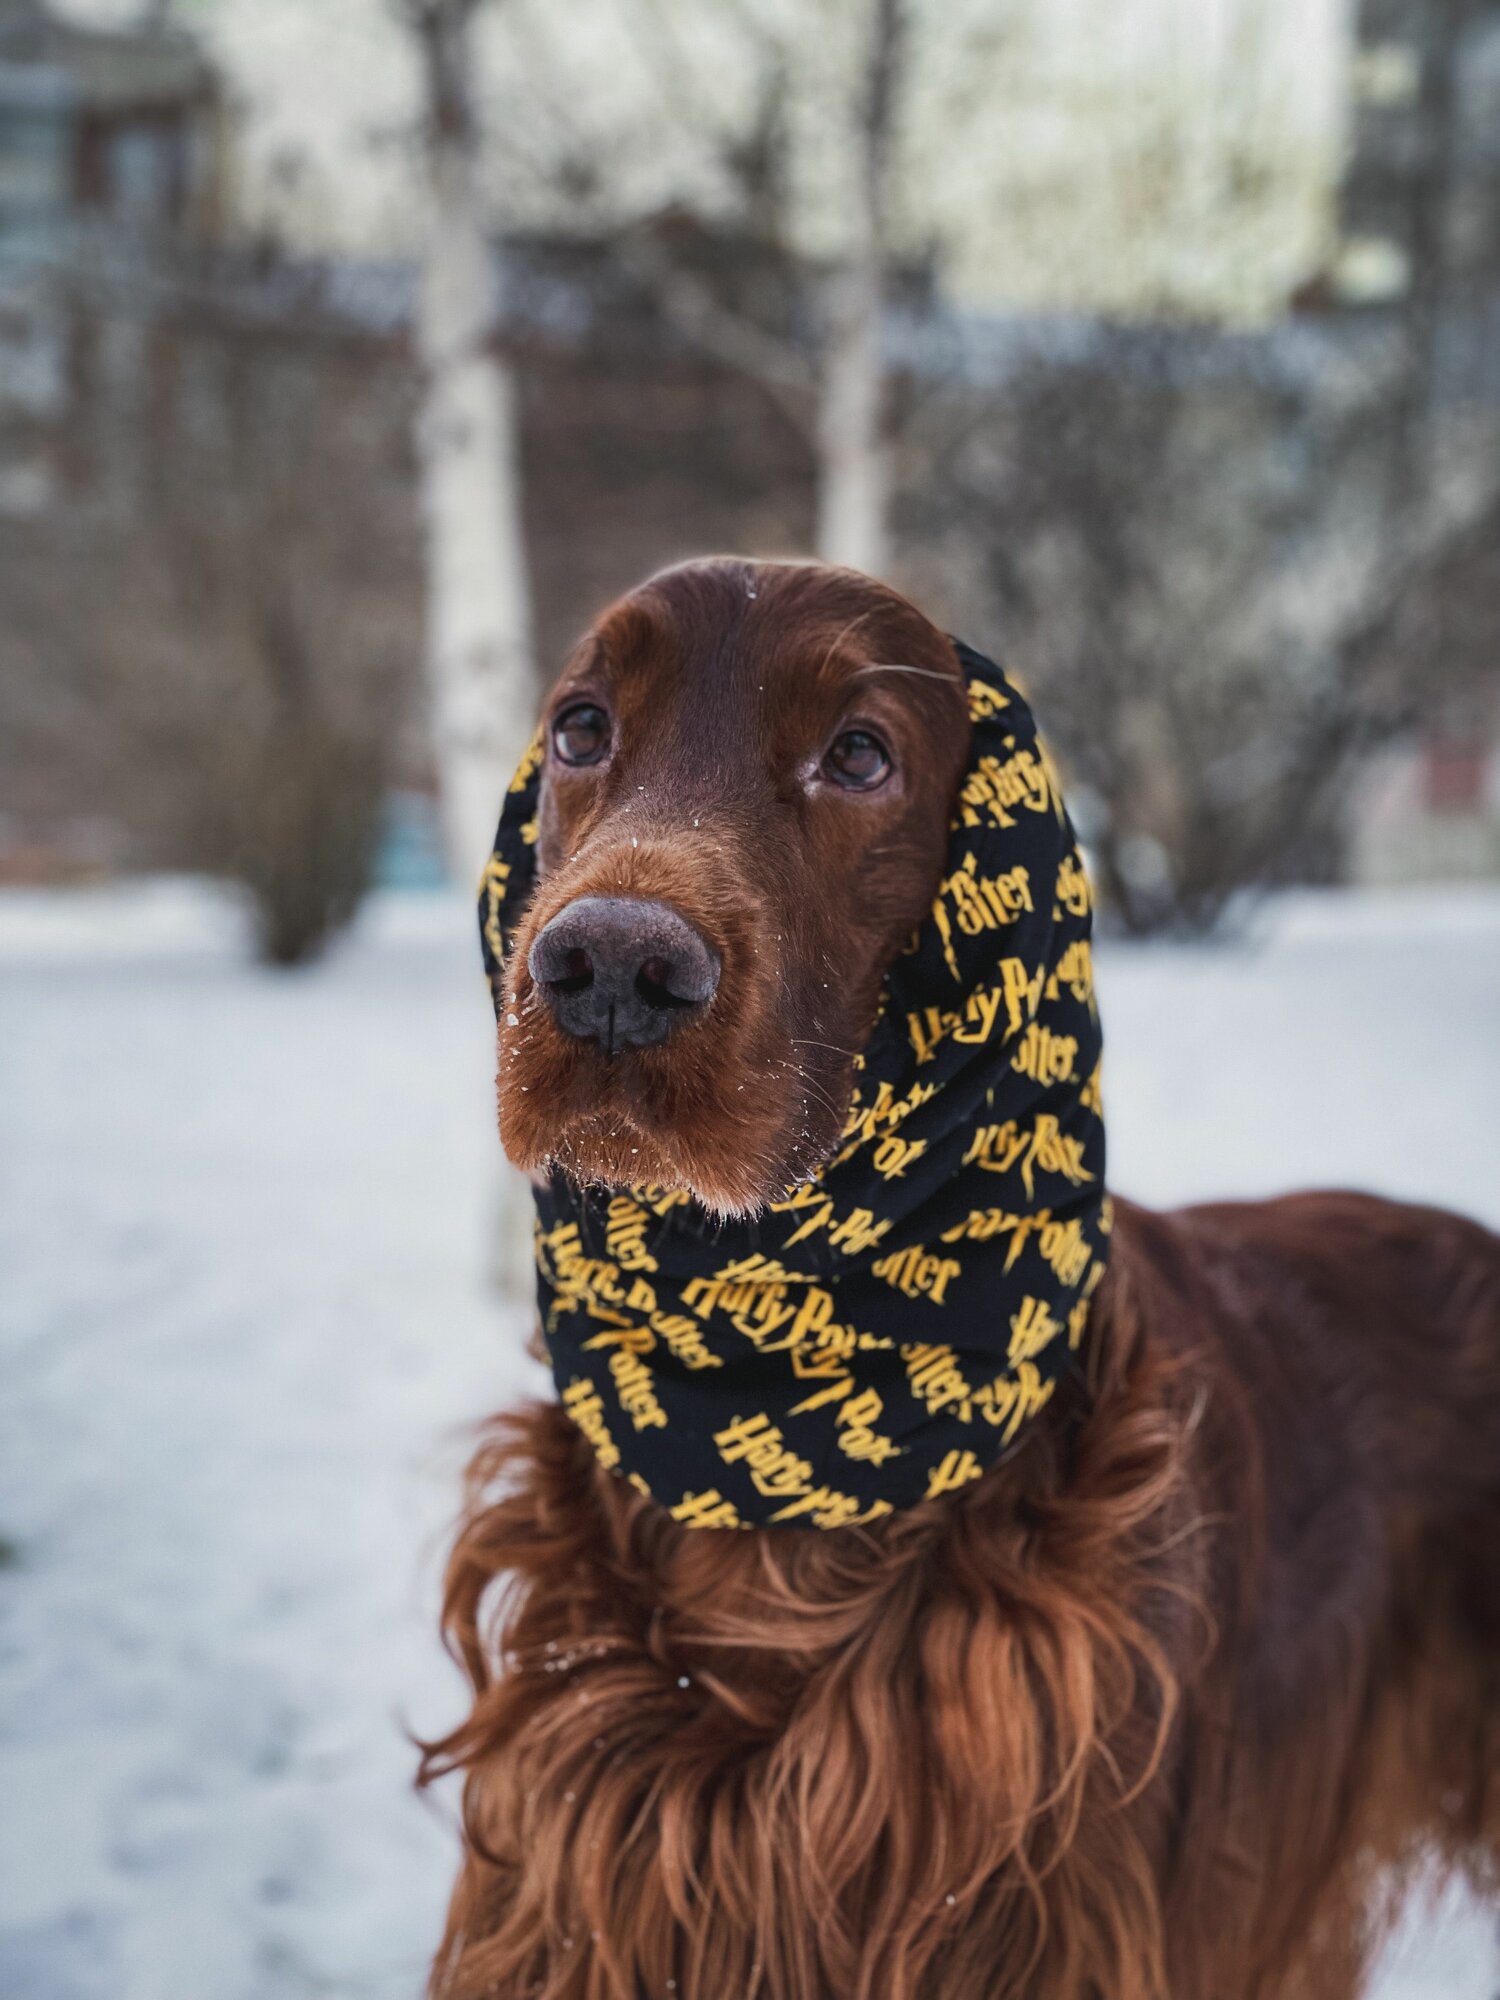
{"x":1170,"y":1705}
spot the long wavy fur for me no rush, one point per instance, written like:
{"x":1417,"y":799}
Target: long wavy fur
{"x":1171,"y":1703}
{"x":785,"y":1763}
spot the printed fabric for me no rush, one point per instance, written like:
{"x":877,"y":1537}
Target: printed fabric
{"x":888,"y":1331}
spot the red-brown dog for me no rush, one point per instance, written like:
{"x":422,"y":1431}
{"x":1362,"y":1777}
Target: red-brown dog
{"x":1168,"y":1705}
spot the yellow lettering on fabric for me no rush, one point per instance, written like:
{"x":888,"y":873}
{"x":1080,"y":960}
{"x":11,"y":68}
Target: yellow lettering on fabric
{"x":854,"y":1420}
{"x":585,"y":1406}
{"x":917,"y":1273}
{"x":884,"y":1114}
{"x":1005,"y":1403}
{"x":1065,"y":1248}
{"x":633,"y":1383}
{"x":1023,"y":992}
{"x":529,"y":765}
{"x":1044,"y":1056}
{"x":993,"y":791}
{"x":1062,"y":1243}
{"x":826,"y":1356}
{"x":975,"y":1022}
{"x":1009,"y":1401}
{"x":979,"y":1019}
{"x":492,"y":888}
{"x":856,"y":1232}
{"x":980,"y":1225}
{"x":595,"y":1287}
{"x":638,"y":1398}
{"x":625,"y":1228}
{"x":836,"y":1378}
{"x":936,"y":1378}
{"x":757,"y":1295}
{"x":684,"y":1338}
{"x":829,"y":1508}
{"x":807,"y":1194}
{"x":1073,"y":892}
{"x":980,"y":903}
{"x":814,"y":1316}
{"x":956,"y":1468}
{"x":998,"y":1149}
{"x":1032,"y":1328}
{"x":592,"y":1283}
{"x":759,"y":1269}
{"x":774,"y":1468}
{"x":1091,"y":1097}
{"x":986,"y":701}
{"x":758,"y":1311}
{"x":564,"y":1246}
{"x":661,"y":1201}
{"x":1078,"y":1318}
{"x":894,"y":1155}
{"x":633,"y":1339}
{"x":707,"y":1510}
{"x":1073,"y":973}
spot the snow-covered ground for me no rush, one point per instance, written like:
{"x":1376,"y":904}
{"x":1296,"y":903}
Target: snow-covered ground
{"x":244,"y":1319}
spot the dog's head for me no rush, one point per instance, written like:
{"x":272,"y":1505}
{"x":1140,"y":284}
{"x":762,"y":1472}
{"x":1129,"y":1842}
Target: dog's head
{"x":749,"y":770}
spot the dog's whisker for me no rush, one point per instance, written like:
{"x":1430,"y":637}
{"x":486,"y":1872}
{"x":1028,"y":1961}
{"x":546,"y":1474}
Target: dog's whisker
{"x":836,"y":643}
{"x":819,"y":1090}
{"x":893,"y":667}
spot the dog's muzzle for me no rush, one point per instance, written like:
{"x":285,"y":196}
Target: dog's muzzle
{"x":622,"y":972}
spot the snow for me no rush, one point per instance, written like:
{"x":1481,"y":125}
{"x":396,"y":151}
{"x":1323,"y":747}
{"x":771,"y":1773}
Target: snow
{"x":246,"y":1319}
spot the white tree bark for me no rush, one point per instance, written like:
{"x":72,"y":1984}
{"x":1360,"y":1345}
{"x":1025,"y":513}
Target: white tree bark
{"x":479,"y":631}
{"x":853,"y":441}
{"x":854,"y":479}
{"x":478,"y":596}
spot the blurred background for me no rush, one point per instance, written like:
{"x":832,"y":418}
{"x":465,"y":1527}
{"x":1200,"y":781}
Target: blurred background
{"x":352,"y":355}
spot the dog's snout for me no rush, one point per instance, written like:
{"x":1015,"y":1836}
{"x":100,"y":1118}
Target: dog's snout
{"x":621,"y":971}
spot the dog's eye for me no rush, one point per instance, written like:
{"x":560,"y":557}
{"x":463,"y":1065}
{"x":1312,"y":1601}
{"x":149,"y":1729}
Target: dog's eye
{"x":857,"y":760}
{"x":580,"y":734}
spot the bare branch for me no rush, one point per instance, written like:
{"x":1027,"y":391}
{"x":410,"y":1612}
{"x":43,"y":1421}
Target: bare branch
{"x":440,"y":30}
{"x":775,"y":365}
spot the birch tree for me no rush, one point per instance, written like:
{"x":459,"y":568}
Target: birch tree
{"x":853,"y":441}
{"x":479,"y":627}
{"x":479,"y":642}
{"x":837,"y":388}
{"x":825,"y":367}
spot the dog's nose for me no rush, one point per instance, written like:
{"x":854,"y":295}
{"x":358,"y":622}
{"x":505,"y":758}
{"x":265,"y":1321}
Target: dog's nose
{"x":621,"y":971}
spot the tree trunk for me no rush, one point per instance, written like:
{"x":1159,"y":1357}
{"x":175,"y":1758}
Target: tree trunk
{"x":854,"y":454}
{"x":479,"y":610}
{"x":479,"y":634}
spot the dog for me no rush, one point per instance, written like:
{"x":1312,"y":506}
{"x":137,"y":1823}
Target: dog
{"x":1173,"y":1701}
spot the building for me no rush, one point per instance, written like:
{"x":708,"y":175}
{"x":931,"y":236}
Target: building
{"x":104,"y":137}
